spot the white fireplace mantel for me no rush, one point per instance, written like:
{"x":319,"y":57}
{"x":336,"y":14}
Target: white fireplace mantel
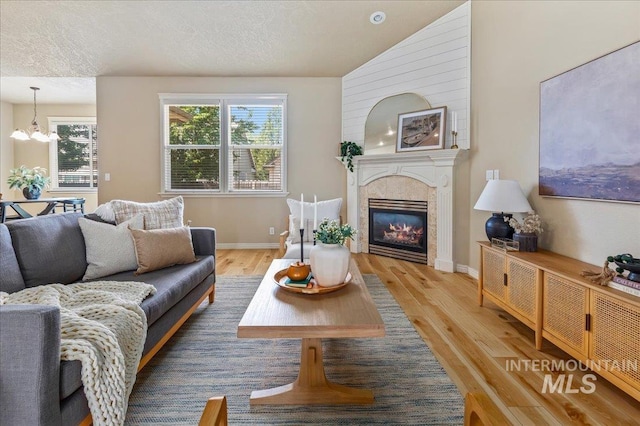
{"x":433,"y":168}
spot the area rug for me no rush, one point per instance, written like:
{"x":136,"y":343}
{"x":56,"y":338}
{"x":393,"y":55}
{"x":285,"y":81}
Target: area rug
{"x":205,"y":358}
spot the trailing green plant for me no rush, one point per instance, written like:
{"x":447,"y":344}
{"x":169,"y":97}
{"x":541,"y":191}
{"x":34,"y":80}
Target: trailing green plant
{"x":331,"y":232}
{"x":348,"y":150}
{"x":33,"y":179}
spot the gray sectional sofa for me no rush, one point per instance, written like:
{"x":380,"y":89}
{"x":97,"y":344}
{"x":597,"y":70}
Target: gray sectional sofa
{"x":35,"y":387}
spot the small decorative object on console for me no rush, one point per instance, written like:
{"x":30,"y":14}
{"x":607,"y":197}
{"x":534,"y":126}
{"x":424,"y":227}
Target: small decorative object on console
{"x":627,"y":262}
{"x":624,"y":261}
{"x":505,"y":244}
{"x":526,"y":234}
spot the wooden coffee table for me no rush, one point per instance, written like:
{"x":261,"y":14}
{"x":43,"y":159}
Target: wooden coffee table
{"x":277,"y":313}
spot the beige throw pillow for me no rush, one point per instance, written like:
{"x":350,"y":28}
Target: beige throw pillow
{"x":158,"y":215}
{"x":161,"y":248}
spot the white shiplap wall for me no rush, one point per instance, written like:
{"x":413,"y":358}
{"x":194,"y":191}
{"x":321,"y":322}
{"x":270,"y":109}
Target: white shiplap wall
{"x":435,"y":62}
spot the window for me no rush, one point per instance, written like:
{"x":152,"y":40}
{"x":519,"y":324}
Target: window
{"x":223,"y":143}
{"x":73,"y":159}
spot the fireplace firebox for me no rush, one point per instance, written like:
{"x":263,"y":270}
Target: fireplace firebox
{"x":398,"y":228}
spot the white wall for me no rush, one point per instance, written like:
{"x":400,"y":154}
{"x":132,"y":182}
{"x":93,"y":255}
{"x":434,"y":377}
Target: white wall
{"x":130,"y":147}
{"x":6,"y":146}
{"x":516,"y":45}
{"x":33,"y":153}
{"x":434,"y":63}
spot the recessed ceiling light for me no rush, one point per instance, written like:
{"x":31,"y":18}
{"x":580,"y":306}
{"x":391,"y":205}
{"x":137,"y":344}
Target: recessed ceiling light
{"x":377,"y":18}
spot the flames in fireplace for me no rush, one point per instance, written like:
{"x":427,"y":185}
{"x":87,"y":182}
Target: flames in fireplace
{"x":397,"y":228}
{"x":403,"y":234}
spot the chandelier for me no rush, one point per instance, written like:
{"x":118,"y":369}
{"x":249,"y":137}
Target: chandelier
{"x":34,"y":130}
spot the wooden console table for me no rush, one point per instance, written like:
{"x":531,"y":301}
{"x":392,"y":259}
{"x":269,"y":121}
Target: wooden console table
{"x":594,"y":324}
{"x":68,"y":204}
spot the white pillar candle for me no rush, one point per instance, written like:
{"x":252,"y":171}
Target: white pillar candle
{"x":455,"y":122}
{"x":301,"y":211}
{"x":315,"y":212}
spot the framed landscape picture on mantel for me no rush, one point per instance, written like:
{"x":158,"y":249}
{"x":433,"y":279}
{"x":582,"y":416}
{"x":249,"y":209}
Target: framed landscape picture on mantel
{"x":421,"y":130}
{"x":590,"y":130}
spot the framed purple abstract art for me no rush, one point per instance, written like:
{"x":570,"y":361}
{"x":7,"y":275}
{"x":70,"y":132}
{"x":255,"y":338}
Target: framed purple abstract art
{"x":590,"y":130}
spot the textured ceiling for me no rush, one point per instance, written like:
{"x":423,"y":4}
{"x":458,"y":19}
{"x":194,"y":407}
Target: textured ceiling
{"x":201,"y":38}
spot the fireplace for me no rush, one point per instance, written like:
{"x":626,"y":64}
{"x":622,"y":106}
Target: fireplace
{"x":398,"y":228}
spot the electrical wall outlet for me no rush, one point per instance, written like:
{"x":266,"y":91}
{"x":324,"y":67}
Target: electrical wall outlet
{"x":272,"y":231}
{"x":496,"y":174}
{"x":489,"y":174}
{"x":107,"y":177}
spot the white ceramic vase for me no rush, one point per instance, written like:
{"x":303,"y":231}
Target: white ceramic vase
{"x":329,"y":263}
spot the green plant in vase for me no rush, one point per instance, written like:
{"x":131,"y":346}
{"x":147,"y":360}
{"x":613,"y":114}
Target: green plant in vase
{"x":330,"y":258}
{"x":331,"y":232}
{"x":31,"y":181}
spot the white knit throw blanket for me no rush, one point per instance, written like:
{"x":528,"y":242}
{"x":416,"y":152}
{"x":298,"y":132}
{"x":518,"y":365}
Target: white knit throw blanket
{"x":102,"y":326}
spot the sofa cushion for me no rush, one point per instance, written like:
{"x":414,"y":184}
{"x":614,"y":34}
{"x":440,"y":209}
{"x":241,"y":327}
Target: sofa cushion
{"x":109,"y":248}
{"x":172,"y":284}
{"x":161,"y":214}
{"x":70,"y":377}
{"x":160,"y":248}
{"x":49,"y":249}
{"x":10,"y":279}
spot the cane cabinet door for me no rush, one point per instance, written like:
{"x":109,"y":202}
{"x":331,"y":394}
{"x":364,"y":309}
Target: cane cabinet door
{"x":565,"y":306}
{"x":522,"y":280}
{"x":493,"y":273}
{"x":615,"y":336}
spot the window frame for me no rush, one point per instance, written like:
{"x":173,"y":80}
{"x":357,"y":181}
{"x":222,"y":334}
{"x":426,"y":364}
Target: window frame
{"x":53,"y":123}
{"x":224,"y":101}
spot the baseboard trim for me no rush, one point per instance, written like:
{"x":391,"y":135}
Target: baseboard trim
{"x":465,"y":269}
{"x":248,"y":246}
{"x":473,"y":272}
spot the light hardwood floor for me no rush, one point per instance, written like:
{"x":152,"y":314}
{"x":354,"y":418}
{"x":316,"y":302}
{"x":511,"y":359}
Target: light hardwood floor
{"x":475,"y":343}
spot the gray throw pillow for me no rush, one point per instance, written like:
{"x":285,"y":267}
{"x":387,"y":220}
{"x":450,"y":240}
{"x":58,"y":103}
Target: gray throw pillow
{"x":109,"y":248}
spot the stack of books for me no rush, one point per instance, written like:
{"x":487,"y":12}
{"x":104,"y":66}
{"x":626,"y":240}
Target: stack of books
{"x":302,"y":283}
{"x":623,"y":284}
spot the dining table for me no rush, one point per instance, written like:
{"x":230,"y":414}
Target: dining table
{"x":50,"y":205}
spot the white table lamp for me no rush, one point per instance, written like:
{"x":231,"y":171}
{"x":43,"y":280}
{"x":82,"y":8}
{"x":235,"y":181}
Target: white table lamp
{"x":504,"y":196}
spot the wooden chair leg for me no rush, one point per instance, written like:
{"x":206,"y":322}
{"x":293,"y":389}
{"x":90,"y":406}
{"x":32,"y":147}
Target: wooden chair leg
{"x":479,"y":410}
{"x":215,"y":412}
{"x":212,"y":295}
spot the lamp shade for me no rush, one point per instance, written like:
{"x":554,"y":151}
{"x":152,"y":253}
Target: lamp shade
{"x":503,"y":196}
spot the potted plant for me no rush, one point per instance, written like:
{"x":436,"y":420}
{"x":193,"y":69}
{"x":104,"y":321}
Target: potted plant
{"x":527,"y":232}
{"x":348,"y":150}
{"x":330,"y":258}
{"x":31,"y":181}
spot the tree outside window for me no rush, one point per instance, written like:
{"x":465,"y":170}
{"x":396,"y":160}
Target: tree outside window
{"x":74,"y":157}
{"x":224,"y":145}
